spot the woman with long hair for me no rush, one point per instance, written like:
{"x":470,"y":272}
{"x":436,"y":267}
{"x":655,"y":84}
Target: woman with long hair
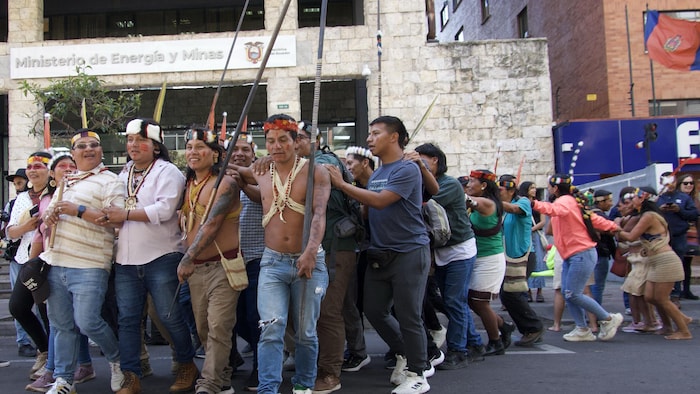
{"x":539,"y":242}
{"x":24,"y":221}
{"x":686,"y":184}
{"x":635,"y":282}
{"x":490,"y":266}
{"x":572,"y":226}
{"x":665,"y":267}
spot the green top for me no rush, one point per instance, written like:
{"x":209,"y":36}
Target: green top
{"x":335,"y":210}
{"x":487,"y":246}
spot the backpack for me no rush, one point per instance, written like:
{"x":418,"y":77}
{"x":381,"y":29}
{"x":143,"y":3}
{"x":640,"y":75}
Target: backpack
{"x":436,"y":222}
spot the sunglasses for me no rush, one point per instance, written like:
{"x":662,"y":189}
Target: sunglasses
{"x":81,"y":146}
{"x":686,"y":183}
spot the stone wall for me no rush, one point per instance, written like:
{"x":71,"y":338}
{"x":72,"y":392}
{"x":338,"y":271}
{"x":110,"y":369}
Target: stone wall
{"x":490,"y":94}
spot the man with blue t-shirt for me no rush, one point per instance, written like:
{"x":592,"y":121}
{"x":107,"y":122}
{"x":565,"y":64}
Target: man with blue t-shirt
{"x":517,"y":227}
{"x":398,"y":255}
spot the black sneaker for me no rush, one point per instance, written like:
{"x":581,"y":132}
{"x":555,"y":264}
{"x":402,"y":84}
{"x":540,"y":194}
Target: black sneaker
{"x":495,"y":348}
{"x":252,"y":383}
{"x":354,"y":363}
{"x":475,"y":353}
{"x":436,"y":357}
{"x":506,"y":330}
{"x":454,"y":360}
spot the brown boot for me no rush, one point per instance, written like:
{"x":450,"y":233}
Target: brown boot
{"x":131,"y":385}
{"x":187,"y":374}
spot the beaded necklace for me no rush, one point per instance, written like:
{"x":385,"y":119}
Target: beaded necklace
{"x":194,"y":191}
{"x":280,"y":203}
{"x":133,"y":185}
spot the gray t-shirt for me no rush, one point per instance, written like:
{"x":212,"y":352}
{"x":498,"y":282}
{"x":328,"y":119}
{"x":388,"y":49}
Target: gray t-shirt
{"x":399,"y":226}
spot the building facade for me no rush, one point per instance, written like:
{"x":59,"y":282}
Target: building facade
{"x":493,"y":98}
{"x":598,"y":64}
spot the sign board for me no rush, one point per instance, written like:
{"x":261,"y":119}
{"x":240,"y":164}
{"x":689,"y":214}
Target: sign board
{"x":149,"y":57}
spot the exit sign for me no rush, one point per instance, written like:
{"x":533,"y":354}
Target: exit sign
{"x":282,"y":106}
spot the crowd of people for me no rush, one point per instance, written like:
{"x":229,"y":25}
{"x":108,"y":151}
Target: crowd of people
{"x":289,"y":251}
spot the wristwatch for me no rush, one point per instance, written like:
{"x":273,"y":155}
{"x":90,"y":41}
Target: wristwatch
{"x":81,"y":211}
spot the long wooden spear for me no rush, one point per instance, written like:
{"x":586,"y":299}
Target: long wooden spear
{"x":210,"y":120}
{"x":248,"y":103}
{"x":314,"y":125}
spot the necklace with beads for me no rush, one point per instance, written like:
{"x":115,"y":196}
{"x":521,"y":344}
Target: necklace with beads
{"x":134,"y":183}
{"x":194,"y":191}
{"x":280,"y":203}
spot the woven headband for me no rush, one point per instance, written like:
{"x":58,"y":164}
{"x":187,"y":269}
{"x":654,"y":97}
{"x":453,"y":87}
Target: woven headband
{"x":482,"y":175}
{"x":507,"y":184}
{"x":560,"y":180}
{"x":281,"y":124}
{"x":38,"y":159}
{"x":84,"y":134}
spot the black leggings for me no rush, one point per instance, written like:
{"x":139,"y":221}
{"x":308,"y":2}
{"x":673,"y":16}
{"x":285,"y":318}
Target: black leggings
{"x":20,"y":305}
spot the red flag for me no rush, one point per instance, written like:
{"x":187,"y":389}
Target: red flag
{"x":675,"y":43}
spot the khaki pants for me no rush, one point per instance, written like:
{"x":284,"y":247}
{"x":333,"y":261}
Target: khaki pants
{"x":214,"y":306}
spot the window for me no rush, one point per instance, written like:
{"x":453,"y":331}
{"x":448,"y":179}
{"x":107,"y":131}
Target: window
{"x":456,"y":4}
{"x":444,"y":16}
{"x":460,"y":34}
{"x":338,"y":13}
{"x":522,"y":24}
{"x":485,"y":12}
{"x":675,"y":107}
{"x":94,"y":22}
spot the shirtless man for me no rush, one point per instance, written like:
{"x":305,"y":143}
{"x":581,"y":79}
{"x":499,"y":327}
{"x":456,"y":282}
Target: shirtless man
{"x":213,"y":300}
{"x":291,"y":274}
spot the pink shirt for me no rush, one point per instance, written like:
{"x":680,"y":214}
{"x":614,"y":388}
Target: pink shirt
{"x":570,"y":234}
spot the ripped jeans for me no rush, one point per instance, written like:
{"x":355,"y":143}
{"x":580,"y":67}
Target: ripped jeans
{"x":282,"y":292}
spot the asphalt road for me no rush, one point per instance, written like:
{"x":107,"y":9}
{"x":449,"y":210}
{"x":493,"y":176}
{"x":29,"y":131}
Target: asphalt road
{"x":630,"y":363}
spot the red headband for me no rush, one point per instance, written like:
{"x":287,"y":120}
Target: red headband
{"x":483,"y":175}
{"x":281,"y":124}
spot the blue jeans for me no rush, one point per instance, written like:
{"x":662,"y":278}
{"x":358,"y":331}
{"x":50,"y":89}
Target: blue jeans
{"x":185,"y":300}
{"x":75,"y":306}
{"x":473,"y":337}
{"x":576,"y":271}
{"x":132,"y":284}
{"x":281,"y":291}
{"x":600,"y":274}
{"x":83,"y":350}
{"x":451,"y":279}
{"x":22,"y":336}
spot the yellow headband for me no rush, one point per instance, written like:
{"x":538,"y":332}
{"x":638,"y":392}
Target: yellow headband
{"x":38,"y":159}
{"x":84,"y":134}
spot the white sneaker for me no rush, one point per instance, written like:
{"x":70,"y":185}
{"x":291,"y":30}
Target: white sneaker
{"x":608,"y":328}
{"x":439,"y":336}
{"x":117,"y":376}
{"x":398,"y":375}
{"x":436,"y":360}
{"x":428,"y":373}
{"x":580,"y":335}
{"x":414,"y":384}
{"x":60,"y":386}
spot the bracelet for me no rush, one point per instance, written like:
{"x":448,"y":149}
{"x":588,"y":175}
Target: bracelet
{"x":127,"y":214}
